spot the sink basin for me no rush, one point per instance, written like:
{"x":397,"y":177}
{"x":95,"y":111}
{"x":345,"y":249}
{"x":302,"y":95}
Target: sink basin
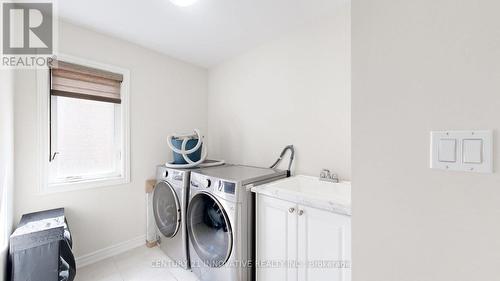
{"x":314,"y":187}
{"x":312,"y":192}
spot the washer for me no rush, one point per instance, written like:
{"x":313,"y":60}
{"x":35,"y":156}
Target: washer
{"x":220,"y":220}
{"x":170,"y":197}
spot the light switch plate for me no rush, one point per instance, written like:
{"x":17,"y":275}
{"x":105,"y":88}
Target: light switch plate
{"x":468,"y":151}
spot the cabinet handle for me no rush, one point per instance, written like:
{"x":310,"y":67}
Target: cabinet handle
{"x":301,"y":212}
{"x":291,"y":210}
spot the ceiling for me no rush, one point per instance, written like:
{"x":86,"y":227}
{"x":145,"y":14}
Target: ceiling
{"x":206,"y":33}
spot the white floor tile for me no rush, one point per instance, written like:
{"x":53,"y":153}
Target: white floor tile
{"x":101,"y":271}
{"x":140,"y":264}
{"x":181,"y":274}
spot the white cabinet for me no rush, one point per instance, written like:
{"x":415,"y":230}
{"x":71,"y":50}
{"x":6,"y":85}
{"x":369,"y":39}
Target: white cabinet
{"x":276,"y":239}
{"x":300,"y":243}
{"x":324,"y":245}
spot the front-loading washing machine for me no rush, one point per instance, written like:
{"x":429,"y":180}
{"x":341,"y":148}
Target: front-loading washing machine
{"x":170,"y":197}
{"x":220,"y":220}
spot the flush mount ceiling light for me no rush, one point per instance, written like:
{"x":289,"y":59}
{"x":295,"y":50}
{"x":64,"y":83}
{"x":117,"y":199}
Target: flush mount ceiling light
{"x":183,"y":3}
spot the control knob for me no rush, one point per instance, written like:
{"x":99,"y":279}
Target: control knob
{"x":206,"y":183}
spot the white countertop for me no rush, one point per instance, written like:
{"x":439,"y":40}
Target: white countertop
{"x":310,"y":191}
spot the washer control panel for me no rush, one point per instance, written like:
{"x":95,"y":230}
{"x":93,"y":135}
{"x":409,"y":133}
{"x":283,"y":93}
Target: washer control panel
{"x":222,"y":188}
{"x":226,"y":187}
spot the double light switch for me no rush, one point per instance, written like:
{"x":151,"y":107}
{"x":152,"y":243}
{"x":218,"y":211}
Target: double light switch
{"x":469,"y":151}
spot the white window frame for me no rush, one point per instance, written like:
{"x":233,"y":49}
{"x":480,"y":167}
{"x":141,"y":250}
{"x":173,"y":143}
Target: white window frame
{"x":44,"y":100}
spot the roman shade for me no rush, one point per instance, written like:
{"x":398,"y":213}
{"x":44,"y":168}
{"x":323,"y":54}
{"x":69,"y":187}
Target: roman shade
{"x":76,"y":81}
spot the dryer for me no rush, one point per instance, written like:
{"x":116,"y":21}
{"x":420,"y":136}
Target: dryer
{"x":220,"y":220}
{"x":170,"y":197}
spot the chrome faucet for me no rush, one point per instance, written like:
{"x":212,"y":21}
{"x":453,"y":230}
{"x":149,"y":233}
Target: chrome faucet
{"x":326,"y":175}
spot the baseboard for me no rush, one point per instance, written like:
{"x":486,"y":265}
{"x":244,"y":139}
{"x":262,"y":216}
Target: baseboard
{"x":110,"y":251}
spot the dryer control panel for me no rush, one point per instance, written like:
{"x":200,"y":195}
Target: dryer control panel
{"x":175,"y":177}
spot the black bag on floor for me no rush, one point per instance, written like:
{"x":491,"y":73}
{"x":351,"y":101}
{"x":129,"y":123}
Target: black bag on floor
{"x":40,"y":248}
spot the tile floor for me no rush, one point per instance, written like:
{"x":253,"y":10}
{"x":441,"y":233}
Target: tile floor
{"x":135,"y":265}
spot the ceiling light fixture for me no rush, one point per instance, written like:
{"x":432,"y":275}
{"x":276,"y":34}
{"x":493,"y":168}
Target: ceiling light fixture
{"x":183,"y":3}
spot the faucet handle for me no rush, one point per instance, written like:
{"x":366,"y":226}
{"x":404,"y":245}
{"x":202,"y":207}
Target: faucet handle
{"x":325,"y":174}
{"x":334,"y":178}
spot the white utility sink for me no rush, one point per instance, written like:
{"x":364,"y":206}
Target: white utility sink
{"x":310,"y":191}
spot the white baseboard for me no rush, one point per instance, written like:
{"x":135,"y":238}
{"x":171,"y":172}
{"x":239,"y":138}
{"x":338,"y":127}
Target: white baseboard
{"x":110,"y":251}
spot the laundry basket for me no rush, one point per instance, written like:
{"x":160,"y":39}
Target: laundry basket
{"x":40,"y":248}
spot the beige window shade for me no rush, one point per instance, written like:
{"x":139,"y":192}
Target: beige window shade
{"x":76,"y":81}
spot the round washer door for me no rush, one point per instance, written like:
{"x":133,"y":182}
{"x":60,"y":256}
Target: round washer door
{"x":209,"y":230}
{"x":166,"y":209}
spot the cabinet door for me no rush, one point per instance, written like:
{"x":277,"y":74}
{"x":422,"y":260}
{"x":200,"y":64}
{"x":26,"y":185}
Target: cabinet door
{"x":324,"y":245}
{"x":276,"y":239}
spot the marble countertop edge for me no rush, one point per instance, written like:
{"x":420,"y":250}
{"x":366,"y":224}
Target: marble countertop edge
{"x":305,"y":199}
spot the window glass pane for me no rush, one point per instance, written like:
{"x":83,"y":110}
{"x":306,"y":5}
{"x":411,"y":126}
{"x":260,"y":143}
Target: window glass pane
{"x":83,"y":134}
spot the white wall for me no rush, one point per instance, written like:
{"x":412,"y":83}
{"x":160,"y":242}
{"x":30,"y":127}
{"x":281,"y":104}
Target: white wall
{"x":160,"y":86}
{"x":420,"y":66}
{"x":293,"y":90}
{"x":6,"y":163}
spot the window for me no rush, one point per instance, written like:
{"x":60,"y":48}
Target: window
{"x":87,"y":122}
{"x":85,"y":140}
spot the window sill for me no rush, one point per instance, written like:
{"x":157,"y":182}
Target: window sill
{"x":84,"y":184}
